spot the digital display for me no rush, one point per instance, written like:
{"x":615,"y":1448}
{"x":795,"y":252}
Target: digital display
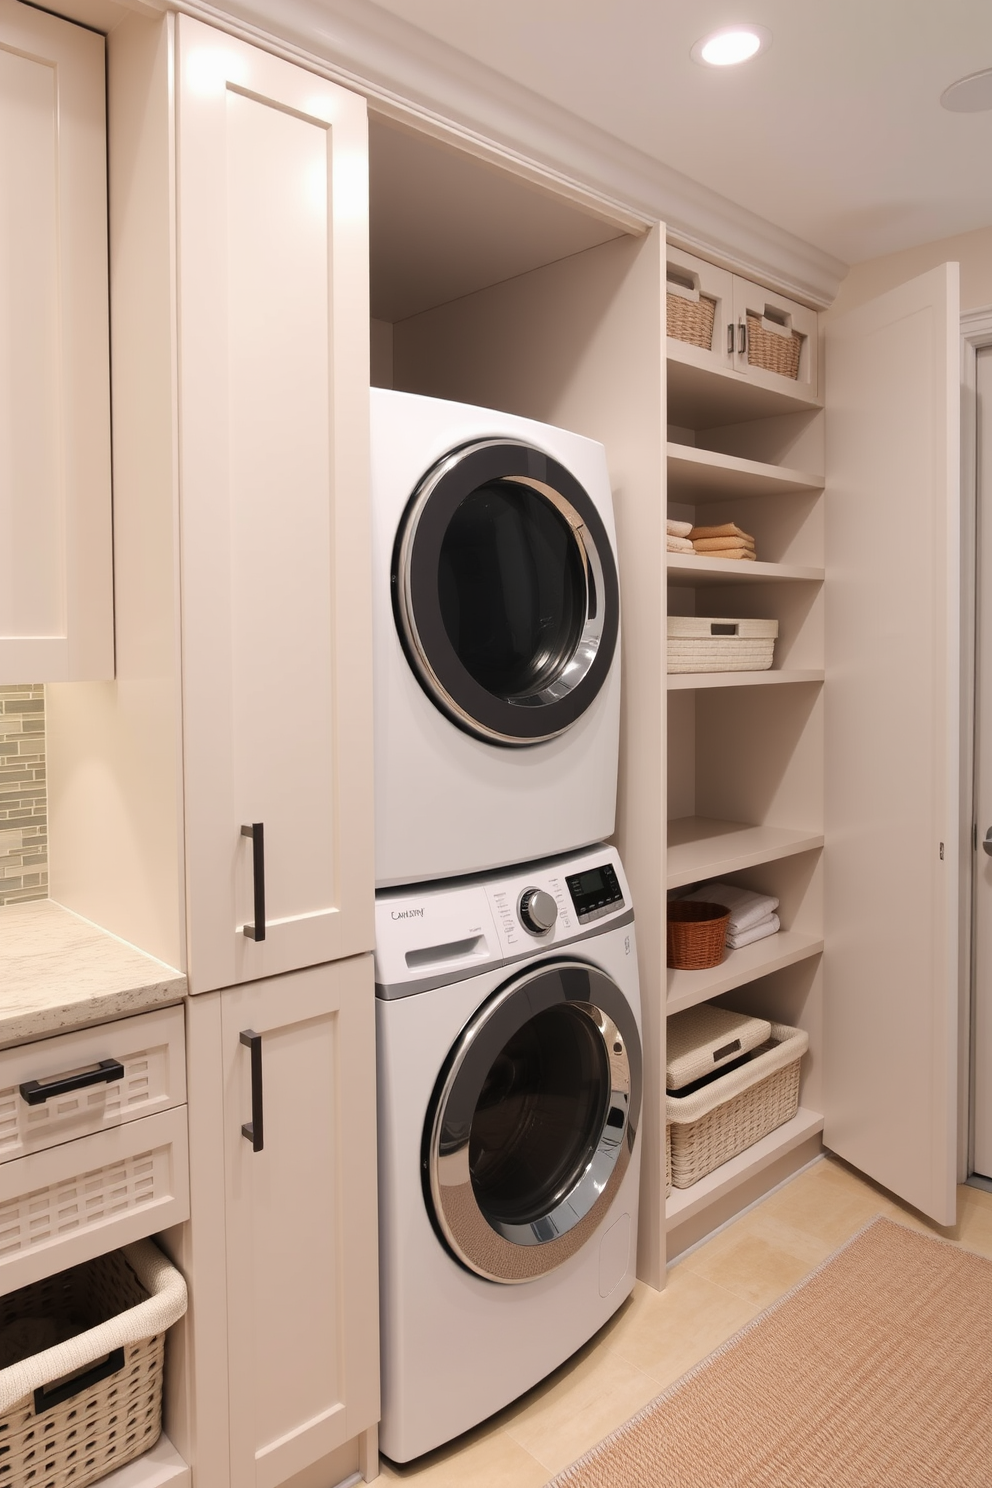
{"x":594,"y":892}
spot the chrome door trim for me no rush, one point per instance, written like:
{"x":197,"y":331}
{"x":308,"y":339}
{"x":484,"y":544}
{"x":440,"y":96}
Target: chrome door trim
{"x":515,"y":1253}
{"x":599,"y":626}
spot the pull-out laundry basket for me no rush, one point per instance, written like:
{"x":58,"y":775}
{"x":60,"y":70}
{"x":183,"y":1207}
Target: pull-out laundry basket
{"x":81,"y":1393}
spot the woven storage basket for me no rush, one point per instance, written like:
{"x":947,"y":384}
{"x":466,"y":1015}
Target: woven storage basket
{"x":668,"y":1159}
{"x":712,"y":643}
{"x":701,"y":1039}
{"x":737,"y":1109}
{"x":691,"y":319}
{"x":65,"y":1433}
{"x":772,"y":351}
{"x":697,"y":934}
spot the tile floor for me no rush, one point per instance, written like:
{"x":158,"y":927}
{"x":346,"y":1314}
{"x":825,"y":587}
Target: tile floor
{"x":657,"y":1336}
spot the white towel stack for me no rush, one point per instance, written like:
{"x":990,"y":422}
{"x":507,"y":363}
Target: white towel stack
{"x":752,"y":916}
{"x":678,"y":537}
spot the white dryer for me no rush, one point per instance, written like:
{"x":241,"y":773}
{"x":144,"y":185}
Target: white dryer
{"x":508,"y":1025}
{"x":496,"y":617}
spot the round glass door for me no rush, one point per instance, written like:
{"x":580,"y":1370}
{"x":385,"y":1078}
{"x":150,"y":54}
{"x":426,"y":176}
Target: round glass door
{"x":505,"y":592}
{"x":533,"y":1121}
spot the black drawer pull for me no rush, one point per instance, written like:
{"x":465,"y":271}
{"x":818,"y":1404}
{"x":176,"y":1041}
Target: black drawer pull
{"x":45,"y":1399}
{"x":35,"y":1092}
{"x":257,"y":834}
{"x":253,"y":1129}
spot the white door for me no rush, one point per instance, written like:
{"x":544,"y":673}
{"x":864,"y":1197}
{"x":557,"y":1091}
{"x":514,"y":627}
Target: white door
{"x":982,"y":1029}
{"x":302,"y":1277}
{"x":273,"y":398}
{"x":892,"y":704}
{"x":56,"y":555}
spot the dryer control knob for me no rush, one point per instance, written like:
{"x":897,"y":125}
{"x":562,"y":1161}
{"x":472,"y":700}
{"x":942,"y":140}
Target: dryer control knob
{"x":537,"y":910}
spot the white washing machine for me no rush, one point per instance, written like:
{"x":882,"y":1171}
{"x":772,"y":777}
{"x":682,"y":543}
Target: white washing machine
{"x":496,"y":613}
{"x":509,"y":1050}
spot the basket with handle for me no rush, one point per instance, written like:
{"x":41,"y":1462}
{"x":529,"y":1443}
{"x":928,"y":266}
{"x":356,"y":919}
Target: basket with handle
{"x":76,"y":1410}
{"x":697,"y":932}
{"x":690,"y":319}
{"x":773,"y":350}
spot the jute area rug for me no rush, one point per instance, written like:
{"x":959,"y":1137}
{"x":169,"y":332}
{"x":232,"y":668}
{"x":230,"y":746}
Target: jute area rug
{"x":875,"y":1372}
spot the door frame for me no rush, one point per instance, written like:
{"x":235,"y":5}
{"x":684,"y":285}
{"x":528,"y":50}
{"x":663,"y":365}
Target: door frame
{"x":976,"y":335}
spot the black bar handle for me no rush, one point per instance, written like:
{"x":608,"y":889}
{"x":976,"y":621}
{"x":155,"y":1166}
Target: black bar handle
{"x":730,"y":338}
{"x":741,"y":337}
{"x":253,"y":1129}
{"x":44,"y":1398}
{"x":36,"y":1092}
{"x":257,"y":834}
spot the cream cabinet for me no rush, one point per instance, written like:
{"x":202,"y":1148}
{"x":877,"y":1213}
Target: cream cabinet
{"x":56,"y":579}
{"x":719,"y":320}
{"x":281,"y":1253}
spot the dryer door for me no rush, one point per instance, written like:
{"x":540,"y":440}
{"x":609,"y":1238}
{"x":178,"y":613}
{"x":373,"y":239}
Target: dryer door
{"x":505,"y":592}
{"x":533,"y":1120}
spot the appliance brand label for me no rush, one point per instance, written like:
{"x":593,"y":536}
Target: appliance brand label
{"x":407,"y":914}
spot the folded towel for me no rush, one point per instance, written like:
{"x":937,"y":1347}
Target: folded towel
{"x":678,"y":529}
{"x":771,"y":926}
{"x":725,"y":529}
{"x":680,"y":545}
{"x":721,"y":544}
{"x":746,"y":907}
{"x":726,"y":553}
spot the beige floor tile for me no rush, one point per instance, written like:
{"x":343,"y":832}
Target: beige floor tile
{"x":975,"y":1220}
{"x":486,"y":1458}
{"x":590,"y":1396}
{"x":825,"y":1203}
{"x":758,"y":1258}
{"x":677,"y":1328}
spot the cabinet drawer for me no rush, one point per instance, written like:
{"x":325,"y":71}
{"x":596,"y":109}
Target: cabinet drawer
{"x":83,"y":1198}
{"x":150,"y":1047}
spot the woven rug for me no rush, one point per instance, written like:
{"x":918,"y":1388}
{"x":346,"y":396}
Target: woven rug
{"x":875,"y":1372}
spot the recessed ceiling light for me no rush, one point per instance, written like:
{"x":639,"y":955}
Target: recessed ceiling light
{"x":731,"y":45}
{"x":970,"y":95}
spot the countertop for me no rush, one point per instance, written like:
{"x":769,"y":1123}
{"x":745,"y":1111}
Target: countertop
{"x":59,"y":971}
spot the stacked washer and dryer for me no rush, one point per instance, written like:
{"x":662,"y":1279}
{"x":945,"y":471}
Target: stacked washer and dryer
{"x":508,"y":1014}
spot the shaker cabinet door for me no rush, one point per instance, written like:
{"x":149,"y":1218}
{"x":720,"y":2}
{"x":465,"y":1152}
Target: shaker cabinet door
{"x":273,"y":400}
{"x":302,"y":1279}
{"x":56,"y":578}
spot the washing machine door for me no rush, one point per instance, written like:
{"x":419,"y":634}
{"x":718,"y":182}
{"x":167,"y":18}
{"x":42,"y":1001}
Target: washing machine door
{"x":533,"y":1120}
{"x":505,"y":592}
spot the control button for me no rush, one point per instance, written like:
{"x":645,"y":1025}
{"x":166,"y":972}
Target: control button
{"x":538,"y":911}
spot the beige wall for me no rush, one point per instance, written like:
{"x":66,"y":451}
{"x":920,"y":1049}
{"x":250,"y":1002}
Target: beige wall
{"x":972,"y":250}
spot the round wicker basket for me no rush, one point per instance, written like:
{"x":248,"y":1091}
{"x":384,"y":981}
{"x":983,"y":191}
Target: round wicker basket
{"x":696,"y":934}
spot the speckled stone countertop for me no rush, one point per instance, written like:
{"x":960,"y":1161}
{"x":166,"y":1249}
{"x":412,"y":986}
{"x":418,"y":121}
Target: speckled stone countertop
{"x":59,"y":971}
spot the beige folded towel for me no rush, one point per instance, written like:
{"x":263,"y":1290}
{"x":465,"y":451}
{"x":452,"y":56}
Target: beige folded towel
{"x":726,"y":529}
{"x":680,"y":545}
{"x":729,"y":553}
{"x":678,"y":529}
{"x":720,"y":544}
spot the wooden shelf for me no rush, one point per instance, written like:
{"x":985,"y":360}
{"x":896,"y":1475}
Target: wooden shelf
{"x":701,"y":847}
{"x":699,"y":475}
{"x":691,"y":681}
{"x":692,"y":570}
{"x":683,"y":1203}
{"x":160,"y":1467}
{"x":687,"y":988}
{"x":708,"y":397}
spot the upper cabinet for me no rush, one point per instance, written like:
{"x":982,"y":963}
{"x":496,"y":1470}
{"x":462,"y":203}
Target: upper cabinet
{"x":273,"y":456}
{"x":720,"y":321}
{"x":56,"y":576}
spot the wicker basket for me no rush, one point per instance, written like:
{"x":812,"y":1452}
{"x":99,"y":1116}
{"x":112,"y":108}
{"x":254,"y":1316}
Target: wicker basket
{"x":691,"y":319}
{"x":737,"y":1109}
{"x":772,"y":351}
{"x":59,"y":1432}
{"x":697,"y":934}
{"x":715,"y":643}
{"x":668,"y":1159}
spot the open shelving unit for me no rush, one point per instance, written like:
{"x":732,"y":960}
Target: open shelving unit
{"x":745,"y":749}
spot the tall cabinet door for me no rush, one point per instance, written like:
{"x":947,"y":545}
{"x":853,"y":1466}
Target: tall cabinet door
{"x":56,"y":553}
{"x":891,"y":860}
{"x":302,"y":1276}
{"x":273,"y":399}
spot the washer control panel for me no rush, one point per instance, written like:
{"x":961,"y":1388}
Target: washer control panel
{"x":595,"y":892}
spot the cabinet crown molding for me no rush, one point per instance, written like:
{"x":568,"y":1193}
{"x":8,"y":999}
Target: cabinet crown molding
{"x":413,"y":77}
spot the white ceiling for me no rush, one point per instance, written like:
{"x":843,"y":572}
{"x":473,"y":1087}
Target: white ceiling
{"x":836,"y":133}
